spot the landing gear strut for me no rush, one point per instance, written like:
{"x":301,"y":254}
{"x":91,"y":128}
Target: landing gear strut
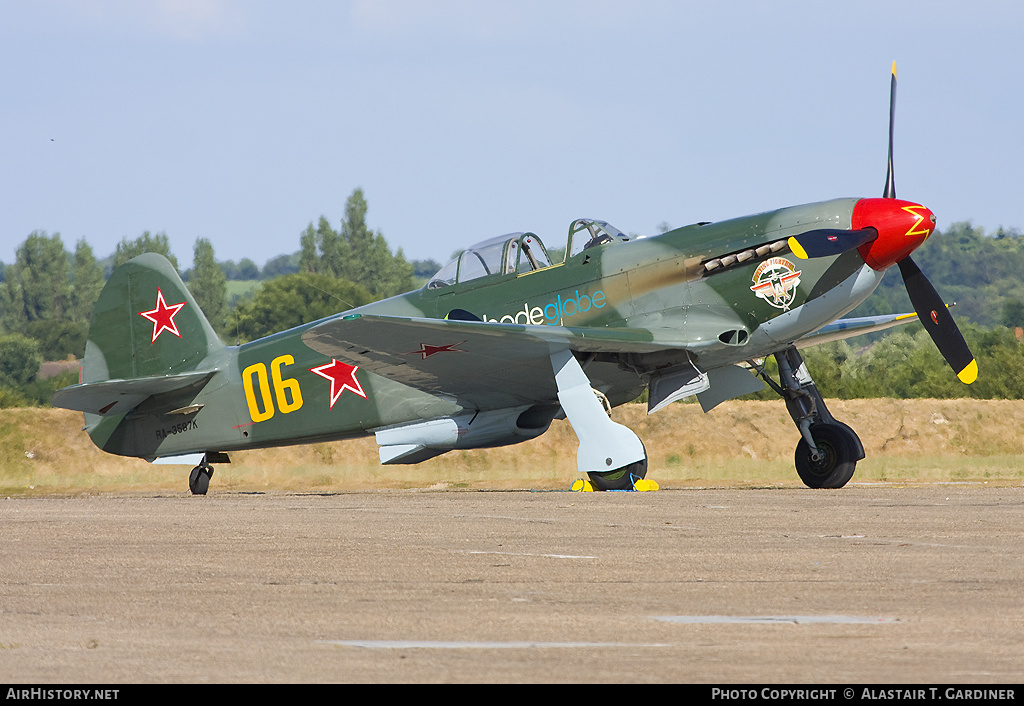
{"x":604,"y":444}
{"x":827,"y":454}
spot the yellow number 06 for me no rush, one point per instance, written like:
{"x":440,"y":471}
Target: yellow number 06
{"x":286,"y":390}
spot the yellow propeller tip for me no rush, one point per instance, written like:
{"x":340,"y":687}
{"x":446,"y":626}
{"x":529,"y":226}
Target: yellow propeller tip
{"x":797,"y":249}
{"x":969,"y":374}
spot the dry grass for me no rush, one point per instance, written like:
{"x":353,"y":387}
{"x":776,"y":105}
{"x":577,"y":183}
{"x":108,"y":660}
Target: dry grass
{"x":43,"y":451}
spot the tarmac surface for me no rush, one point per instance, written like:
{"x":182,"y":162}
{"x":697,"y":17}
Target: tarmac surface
{"x":868,"y":584}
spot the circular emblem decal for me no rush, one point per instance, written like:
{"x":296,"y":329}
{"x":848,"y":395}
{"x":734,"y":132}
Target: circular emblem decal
{"x":775,"y":281}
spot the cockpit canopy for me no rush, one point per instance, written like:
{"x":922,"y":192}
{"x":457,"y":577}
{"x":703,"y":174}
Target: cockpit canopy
{"x":586,"y":233}
{"x":520,"y":253}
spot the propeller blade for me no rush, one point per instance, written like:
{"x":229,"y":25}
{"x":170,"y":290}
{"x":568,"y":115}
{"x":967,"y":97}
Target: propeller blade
{"x":890,"y":184}
{"x":938,"y":322}
{"x":828,"y":241}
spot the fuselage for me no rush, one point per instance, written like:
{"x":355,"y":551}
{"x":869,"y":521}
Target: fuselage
{"x":719,"y":293}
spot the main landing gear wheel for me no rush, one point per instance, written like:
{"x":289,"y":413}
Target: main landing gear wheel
{"x":621,"y":478}
{"x":838,"y":448}
{"x":199,"y":479}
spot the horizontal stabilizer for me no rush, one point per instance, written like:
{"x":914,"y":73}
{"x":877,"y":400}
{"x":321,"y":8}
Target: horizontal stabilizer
{"x":121,"y":396}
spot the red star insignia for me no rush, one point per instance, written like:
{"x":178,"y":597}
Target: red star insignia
{"x":342,"y":377}
{"x":162,"y":316}
{"x":426,"y":350}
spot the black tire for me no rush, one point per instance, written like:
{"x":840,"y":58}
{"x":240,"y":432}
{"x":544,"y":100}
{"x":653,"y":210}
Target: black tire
{"x":199,"y":480}
{"x":620,"y":478}
{"x":840,"y":449}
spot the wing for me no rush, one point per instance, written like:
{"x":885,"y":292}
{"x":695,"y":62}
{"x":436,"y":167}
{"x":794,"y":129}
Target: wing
{"x":480,"y":364}
{"x":486,"y":364}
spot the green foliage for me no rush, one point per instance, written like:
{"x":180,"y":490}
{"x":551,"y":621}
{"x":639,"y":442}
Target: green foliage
{"x":1013,"y":313}
{"x":292,"y":300}
{"x":58,"y":339}
{"x":280,"y":265}
{"x":982,"y":274}
{"x":147,"y":242}
{"x":323,"y":251}
{"x":355,"y":253}
{"x":424,"y":269}
{"x":38,"y":392}
{"x":86,"y":281}
{"x":10,"y":397}
{"x":905,"y":364}
{"x":209,"y":285}
{"x":44,"y":297}
{"x":19,"y":359}
{"x":37,"y":286}
{"x":238,"y":292}
{"x":244,"y":270}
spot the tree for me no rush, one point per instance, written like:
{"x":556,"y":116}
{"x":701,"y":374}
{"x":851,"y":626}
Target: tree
{"x":242,"y":271}
{"x":209,"y":285}
{"x":127,"y":249}
{"x":324,"y":251}
{"x":37,"y":286}
{"x":355,"y":253}
{"x":86,"y":282}
{"x":58,"y":339}
{"x":47,"y":300}
{"x":335,"y":250}
{"x":309,"y":260}
{"x":295,"y":299}
{"x":19,"y":359}
{"x":980,"y":273}
{"x":1013,"y":313}
{"x":425,"y":268}
{"x":248,"y":270}
{"x":360,"y":239}
{"x":280,"y":265}
{"x":370,"y":262}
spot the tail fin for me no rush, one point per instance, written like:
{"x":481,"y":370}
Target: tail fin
{"x":148,"y":342}
{"x":149,"y":359}
{"x":146,"y":323}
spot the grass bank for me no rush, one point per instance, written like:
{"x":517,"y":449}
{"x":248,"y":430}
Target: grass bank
{"x":44,"y":451}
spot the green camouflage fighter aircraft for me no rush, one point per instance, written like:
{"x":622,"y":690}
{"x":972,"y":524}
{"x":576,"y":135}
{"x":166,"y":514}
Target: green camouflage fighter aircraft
{"x":510,"y":336}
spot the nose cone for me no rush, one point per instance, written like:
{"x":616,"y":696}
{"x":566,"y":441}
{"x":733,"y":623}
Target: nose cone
{"x":902,"y":226}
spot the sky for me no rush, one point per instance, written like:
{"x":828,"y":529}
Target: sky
{"x":242,"y":121}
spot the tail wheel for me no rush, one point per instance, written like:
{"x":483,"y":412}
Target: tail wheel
{"x":839,"y":451}
{"x":620,"y":478}
{"x":199,"y":480}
